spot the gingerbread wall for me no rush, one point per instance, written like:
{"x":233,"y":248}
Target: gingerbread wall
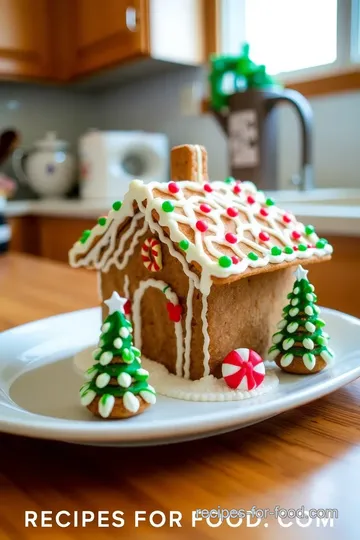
{"x":244,"y":313}
{"x":158,"y":335}
{"x":240,"y":314}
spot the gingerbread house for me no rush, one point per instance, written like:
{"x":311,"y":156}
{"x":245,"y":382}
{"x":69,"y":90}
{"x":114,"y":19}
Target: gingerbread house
{"x":205,"y":265}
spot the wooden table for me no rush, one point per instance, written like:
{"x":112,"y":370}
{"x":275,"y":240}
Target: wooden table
{"x":309,"y":456}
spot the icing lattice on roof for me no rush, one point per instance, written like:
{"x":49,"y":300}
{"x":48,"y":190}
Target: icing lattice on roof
{"x":224,"y":229}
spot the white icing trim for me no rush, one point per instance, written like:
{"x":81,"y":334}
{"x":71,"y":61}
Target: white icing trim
{"x":207,"y":389}
{"x":188,"y":329}
{"x":221,"y":198}
{"x":199,"y":176}
{"x":136,"y":310}
{"x":105,"y":409}
{"x":99,"y":287}
{"x":205,"y":287}
{"x":115,"y":259}
{"x":155,"y":228}
{"x":131,"y":402}
{"x":126,"y":286}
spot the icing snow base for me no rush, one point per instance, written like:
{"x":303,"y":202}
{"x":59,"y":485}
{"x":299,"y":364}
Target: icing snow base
{"x":206,"y":389}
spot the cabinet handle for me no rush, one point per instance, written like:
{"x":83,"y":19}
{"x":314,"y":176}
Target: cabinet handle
{"x":131,"y":20}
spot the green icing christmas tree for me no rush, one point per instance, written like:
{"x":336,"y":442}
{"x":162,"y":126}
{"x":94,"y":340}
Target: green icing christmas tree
{"x":117,"y":373}
{"x":301,"y":345}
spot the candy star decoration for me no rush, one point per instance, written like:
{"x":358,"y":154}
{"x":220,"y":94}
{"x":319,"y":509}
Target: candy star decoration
{"x":300,"y":345}
{"x":116,"y":385}
{"x":243,"y":369}
{"x":115,"y":303}
{"x":300,"y":273}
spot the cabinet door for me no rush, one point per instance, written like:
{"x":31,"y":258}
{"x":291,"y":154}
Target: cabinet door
{"x":108,"y":32}
{"x":24,"y":38}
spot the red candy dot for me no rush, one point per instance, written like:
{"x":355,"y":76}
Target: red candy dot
{"x":232,"y":212}
{"x":310,"y":246}
{"x":127,"y":307}
{"x":295,"y":248}
{"x":264,"y":237}
{"x":286,"y":218}
{"x":235,"y":260}
{"x":208,"y":188}
{"x":237,"y":189}
{"x":205,"y":208}
{"x":251,"y":199}
{"x":173,"y":187}
{"x":295,"y":235}
{"x":201,"y":226}
{"x":231,"y":238}
{"x":264,"y":212}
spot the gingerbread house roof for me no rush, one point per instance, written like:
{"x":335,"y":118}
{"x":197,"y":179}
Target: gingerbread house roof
{"x":221,"y":230}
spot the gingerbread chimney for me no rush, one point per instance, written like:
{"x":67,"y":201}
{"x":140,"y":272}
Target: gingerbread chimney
{"x":189,"y":162}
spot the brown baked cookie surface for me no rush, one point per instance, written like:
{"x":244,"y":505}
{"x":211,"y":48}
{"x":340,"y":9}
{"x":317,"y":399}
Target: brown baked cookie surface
{"x":189,"y":162}
{"x":298,"y":367}
{"x":119,"y":412}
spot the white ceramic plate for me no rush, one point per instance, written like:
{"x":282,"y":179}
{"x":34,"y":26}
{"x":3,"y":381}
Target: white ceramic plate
{"x":39,"y":388}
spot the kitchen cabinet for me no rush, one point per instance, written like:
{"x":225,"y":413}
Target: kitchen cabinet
{"x":46,"y":236}
{"x":109,"y":32}
{"x":336,"y":281}
{"x":68,"y":39}
{"x":25,"y":39}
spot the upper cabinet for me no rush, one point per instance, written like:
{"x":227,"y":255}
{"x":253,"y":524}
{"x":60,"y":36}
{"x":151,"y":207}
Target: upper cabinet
{"x":24,"y":39}
{"x":109,"y":32}
{"x":68,"y":39}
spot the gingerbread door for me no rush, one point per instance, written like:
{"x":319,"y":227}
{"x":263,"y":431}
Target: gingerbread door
{"x":158,"y":331}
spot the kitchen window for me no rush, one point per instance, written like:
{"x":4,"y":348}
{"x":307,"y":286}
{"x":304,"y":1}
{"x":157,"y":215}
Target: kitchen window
{"x":297,"y":40}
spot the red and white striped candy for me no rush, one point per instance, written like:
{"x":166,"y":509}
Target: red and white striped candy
{"x":243,"y":369}
{"x":151,"y":254}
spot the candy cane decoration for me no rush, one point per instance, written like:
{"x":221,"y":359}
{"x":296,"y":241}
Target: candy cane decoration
{"x":151,"y":254}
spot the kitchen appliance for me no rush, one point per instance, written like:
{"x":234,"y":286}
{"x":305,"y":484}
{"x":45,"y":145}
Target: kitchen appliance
{"x":244,"y":99}
{"x":251,"y":126}
{"x":48,"y":168}
{"x":109,"y":160}
{"x":5,"y":231}
{"x":9,"y":140}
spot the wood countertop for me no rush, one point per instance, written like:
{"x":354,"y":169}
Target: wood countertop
{"x":309,"y":456}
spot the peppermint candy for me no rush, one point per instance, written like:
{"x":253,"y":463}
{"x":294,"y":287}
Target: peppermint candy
{"x":243,"y":369}
{"x":151,"y":255}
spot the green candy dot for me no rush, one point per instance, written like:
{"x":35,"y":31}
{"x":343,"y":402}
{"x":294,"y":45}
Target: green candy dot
{"x":102,"y":221}
{"x":225,"y":261}
{"x":104,"y":399}
{"x":324,"y":240}
{"x":85,"y":235}
{"x":269,"y":202}
{"x":229,"y":180}
{"x":302,"y":247}
{"x":184,"y":244}
{"x":288,"y":250}
{"x":117,"y":205}
{"x":320,"y":244}
{"x":252,"y":256}
{"x":275,"y":251}
{"x":167,"y":206}
{"x":128,"y":356}
{"x":309,"y":229}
